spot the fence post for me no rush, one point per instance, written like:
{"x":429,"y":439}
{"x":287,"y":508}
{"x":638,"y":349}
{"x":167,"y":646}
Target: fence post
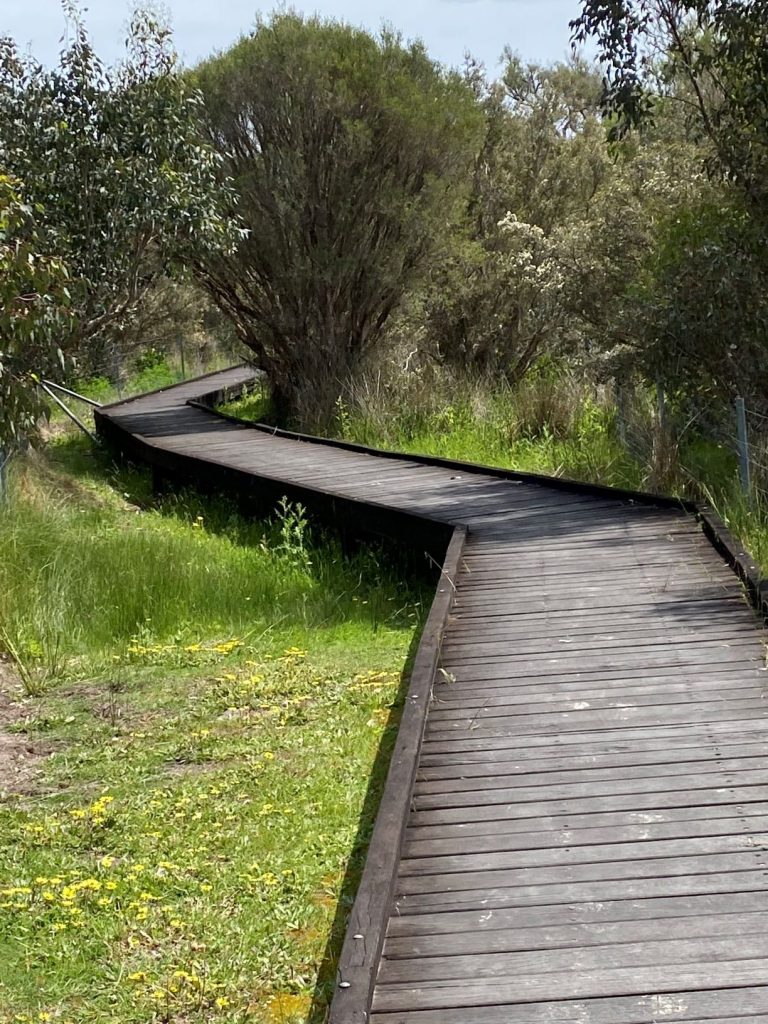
{"x":661,"y":405}
{"x":743,"y":444}
{"x":4,"y":459}
{"x":621,"y":416}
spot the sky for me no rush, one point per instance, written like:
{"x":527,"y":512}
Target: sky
{"x":536,"y":29}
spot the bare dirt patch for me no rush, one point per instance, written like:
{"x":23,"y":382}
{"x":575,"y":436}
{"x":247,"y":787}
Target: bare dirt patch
{"x":20,"y":756}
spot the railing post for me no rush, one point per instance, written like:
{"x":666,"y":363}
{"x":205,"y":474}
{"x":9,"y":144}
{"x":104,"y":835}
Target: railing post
{"x":4,"y":460}
{"x":743,"y":444}
{"x":661,"y":405}
{"x":621,"y":416}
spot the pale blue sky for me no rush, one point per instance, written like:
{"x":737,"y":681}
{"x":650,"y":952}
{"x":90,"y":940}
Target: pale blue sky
{"x":537,"y":29}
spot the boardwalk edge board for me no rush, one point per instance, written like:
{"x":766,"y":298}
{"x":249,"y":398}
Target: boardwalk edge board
{"x":367,"y":923}
{"x":424,"y":527}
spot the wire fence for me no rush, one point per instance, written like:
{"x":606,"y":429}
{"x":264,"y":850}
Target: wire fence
{"x":5,"y":459}
{"x":709,"y":446}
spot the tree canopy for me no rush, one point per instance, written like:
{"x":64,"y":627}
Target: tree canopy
{"x":709,"y":58}
{"x":34,"y":309}
{"x":111,"y":161}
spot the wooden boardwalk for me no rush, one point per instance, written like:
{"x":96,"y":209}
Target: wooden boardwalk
{"x":575,"y":824}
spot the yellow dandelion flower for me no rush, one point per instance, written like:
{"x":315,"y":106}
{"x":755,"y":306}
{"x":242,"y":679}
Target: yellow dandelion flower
{"x":137,"y":976}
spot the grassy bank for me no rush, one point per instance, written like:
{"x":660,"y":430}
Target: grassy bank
{"x":205,"y":701}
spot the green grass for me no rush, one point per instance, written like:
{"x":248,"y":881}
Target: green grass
{"x":214,"y":695}
{"x":483,"y":428}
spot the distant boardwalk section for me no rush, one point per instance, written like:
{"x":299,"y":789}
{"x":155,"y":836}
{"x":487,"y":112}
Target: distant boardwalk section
{"x":575,"y":824}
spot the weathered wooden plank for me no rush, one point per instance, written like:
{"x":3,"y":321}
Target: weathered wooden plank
{"x":514,"y":647}
{"x":500,"y":774}
{"x":480,"y":706}
{"x":729,"y":1005}
{"x":483,"y":861}
{"x":542,"y":627}
{"x":510,"y":937}
{"x":622,"y":910}
{"x":543,"y":827}
{"x":448,"y":697}
{"x":704,"y":751}
{"x":738,"y":821}
{"x":456,"y":683}
{"x":737,"y":658}
{"x":642,"y":606}
{"x":499,"y":967}
{"x":600,"y":718}
{"x":651,"y":802}
{"x":613,"y":741}
{"x":585,"y":891}
{"x":497,"y":882}
{"x":478,"y":795}
{"x":620,"y":981}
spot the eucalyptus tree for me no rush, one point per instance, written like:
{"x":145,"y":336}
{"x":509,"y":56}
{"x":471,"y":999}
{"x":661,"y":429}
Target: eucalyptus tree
{"x":34,"y":309}
{"x":112,"y":161}
{"x":711,"y":58}
{"x":349,"y":153}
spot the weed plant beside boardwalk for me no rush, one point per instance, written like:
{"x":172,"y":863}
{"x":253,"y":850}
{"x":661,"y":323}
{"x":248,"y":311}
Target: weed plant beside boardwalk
{"x":205,"y":701}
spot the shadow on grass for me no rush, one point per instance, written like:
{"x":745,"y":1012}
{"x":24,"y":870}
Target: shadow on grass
{"x":80,"y":460}
{"x":326,"y":978}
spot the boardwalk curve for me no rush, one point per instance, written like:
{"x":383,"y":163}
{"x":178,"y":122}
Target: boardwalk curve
{"x":575,"y":823}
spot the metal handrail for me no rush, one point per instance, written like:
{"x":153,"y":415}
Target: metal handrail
{"x":72,"y":394}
